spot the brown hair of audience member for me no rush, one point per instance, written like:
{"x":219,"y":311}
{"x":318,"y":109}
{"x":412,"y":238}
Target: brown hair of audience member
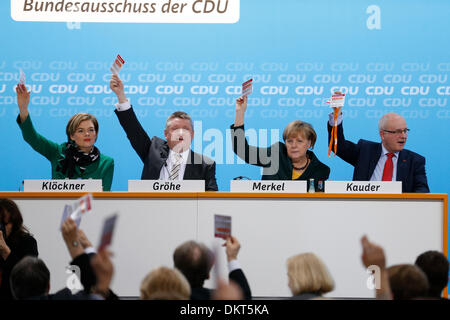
{"x":308,"y":274}
{"x":10,"y":213}
{"x":165,"y":284}
{"x":195,"y":261}
{"x":407,"y":282}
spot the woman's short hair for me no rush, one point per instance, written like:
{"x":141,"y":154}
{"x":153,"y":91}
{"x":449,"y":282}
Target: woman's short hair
{"x":75,"y":121}
{"x":296,"y":127}
{"x":165,"y":284}
{"x":307,"y":273}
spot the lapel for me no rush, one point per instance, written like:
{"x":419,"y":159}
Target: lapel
{"x":189,"y":166}
{"x":402,"y":166}
{"x":164,"y":154}
{"x":374,"y":160}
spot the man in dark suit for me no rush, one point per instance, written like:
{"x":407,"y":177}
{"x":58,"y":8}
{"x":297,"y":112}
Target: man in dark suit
{"x":195,"y":261}
{"x":170,"y":159}
{"x":385,"y":161}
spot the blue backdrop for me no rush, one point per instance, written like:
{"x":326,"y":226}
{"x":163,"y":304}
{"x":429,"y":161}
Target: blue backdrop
{"x":388,"y":56}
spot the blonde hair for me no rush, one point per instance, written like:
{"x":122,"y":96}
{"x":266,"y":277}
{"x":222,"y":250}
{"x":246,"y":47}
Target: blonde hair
{"x":75,"y":121}
{"x":296,"y":127}
{"x":165,"y":283}
{"x":307,"y":273}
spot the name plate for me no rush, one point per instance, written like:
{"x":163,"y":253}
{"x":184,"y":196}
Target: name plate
{"x":363,"y":187}
{"x":268,"y":186}
{"x":166,"y":186}
{"x":66,"y":185}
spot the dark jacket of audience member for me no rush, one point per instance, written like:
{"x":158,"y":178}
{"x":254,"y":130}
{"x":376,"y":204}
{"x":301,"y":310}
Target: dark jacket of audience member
{"x":20,"y":242}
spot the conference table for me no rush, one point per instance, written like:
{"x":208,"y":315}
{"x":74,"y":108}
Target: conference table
{"x":271,"y":227}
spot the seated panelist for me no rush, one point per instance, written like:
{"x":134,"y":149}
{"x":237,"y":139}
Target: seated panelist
{"x":74,"y":159}
{"x":385,"y":161}
{"x":291,"y":160}
{"x":170,"y":159}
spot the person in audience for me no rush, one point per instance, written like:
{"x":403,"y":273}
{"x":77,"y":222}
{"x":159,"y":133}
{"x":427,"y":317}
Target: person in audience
{"x":398,"y":282}
{"x":385,"y":161}
{"x":436,"y":266}
{"x":227,"y":291}
{"x":16,"y":242}
{"x":195,"y":261}
{"x":407,"y":282}
{"x":30,"y":278}
{"x":373,"y":255}
{"x":170,"y":159}
{"x":291,"y":160}
{"x":165,"y":284}
{"x":74,"y":159}
{"x":308,"y":277}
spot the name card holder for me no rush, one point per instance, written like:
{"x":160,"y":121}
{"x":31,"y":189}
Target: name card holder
{"x":363,"y":187}
{"x":65,"y":185}
{"x":166,"y":186}
{"x":268,"y":186}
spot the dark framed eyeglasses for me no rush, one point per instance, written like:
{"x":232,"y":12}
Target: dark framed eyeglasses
{"x":399,"y":131}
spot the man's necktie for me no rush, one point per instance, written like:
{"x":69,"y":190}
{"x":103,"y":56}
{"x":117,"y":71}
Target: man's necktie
{"x":176,"y":167}
{"x":388,"y":168}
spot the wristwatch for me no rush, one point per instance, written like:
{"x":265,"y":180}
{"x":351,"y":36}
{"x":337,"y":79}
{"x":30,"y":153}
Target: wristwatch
{"x":75,"y":243}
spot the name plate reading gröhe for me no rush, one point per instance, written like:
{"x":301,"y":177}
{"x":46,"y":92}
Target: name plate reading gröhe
{"x":65,"y":185}
{"x":268,"y":186}
{"x":166,"y":186}
{"x":363,"y":187}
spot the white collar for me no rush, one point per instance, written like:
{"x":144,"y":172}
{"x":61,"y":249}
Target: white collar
{"x":172,"y":155}
{"x":385,"y":151}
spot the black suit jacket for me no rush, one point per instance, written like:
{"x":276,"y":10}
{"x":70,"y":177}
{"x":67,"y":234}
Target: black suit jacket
{"x":237,"y":276}
{"x":24,"y":245}
{"x":154,"y":153}
{"x":364,"y":157}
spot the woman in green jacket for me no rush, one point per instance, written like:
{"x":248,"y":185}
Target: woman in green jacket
{"x":77,"y":158}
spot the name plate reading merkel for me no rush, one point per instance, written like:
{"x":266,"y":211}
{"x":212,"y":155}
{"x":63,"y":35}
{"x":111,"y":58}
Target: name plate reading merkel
{"x":166,"y":186}
{"x":268,"y":186}
{"x":363,"y":187}
{"x":66,"y":185}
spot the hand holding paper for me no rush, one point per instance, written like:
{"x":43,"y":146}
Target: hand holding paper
{"x":117,"y":65}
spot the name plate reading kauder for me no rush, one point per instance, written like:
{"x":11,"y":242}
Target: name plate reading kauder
{"x":363,"y":187}
{"x":268,"y":186}
{"x":166,"y":186}
{"x":66,"y":185}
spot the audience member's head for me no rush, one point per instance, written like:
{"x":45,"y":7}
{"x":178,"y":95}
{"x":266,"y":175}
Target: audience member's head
{"x":30,"y":278}
{"x":165,"y":284}
{"x":308,"y":274}
{"x":195,"y":261}
{"x":436,"y":266}
{"x":407,"y":282}
{"x":12,"y":219}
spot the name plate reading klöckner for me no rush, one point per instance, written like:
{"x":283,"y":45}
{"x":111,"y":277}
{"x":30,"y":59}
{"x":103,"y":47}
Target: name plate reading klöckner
{"x":166,"y":186}
{"x":66,"y":185}
{"x":363,"y":187}
{"x":268,"y":186}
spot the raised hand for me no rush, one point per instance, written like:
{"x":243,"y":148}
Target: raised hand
{"x":117,"y":87}
{"x":23,"y":99}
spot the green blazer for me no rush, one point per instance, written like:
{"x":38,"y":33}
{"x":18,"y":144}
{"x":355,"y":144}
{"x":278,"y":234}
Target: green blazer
{"x":103,"y":168}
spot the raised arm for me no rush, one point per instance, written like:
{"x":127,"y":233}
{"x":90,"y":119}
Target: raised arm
{"x":139,"y":139}
{"x":250,"y":154}
{"x":47,"y":148}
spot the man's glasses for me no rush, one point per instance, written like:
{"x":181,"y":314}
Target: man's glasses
{"x":398,"y":132}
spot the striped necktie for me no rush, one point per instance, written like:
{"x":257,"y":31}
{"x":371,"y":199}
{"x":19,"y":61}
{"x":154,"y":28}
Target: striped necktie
{"x":176,"y":167}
